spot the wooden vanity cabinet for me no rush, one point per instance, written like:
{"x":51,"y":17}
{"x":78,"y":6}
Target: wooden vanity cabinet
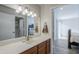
{"x":42,"y":48}
{"x":48,"y":49}
{"x":32,"y":50}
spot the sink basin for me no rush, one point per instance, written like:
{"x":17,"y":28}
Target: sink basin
{"x":30,"y":41}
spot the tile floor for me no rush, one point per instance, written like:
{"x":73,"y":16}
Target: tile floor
{"x":61,"y":47}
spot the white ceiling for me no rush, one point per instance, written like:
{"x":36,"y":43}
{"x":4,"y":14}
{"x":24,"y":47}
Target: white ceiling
{"x":69,"y":11}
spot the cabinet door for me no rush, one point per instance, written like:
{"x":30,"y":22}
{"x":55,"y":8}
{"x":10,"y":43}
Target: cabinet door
{"x":42,"y":48}
{"x":42,"y":51}
{"x":48,"y":46}
{"x":31,"y":51}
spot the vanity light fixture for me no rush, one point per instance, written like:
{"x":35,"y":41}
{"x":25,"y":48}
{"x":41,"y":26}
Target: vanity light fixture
{"x":34,"y":15}
{"x":19,"y":9}
{"x":29,"y":13}
{"x":25,"y":11}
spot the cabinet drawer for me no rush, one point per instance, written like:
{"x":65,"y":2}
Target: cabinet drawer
{"x":31,"y":51}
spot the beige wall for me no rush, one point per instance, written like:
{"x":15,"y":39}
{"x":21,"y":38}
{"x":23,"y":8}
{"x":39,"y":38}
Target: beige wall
{"x":48,"y":16}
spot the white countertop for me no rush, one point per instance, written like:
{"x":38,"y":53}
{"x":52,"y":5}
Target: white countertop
{"x":22,"y":45}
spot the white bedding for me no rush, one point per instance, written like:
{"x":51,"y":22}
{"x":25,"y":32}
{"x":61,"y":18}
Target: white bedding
{"x":74,"y":37}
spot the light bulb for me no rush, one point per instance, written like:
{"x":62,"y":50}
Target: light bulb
{"x":61,"y":8}
{"x":23,"y":13}
{"x":17,"y":11}
{"x":28,"y":14}
{"x":35,"y":14}
{"x":26,"y":11}
{"x":31,"y":12}
{"x":20,"y":8}
{"x":32,"y":15}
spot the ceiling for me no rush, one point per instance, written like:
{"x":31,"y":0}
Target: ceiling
{"x":66,"y":12}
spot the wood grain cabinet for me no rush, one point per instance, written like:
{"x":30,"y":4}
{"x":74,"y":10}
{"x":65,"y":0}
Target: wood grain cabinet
{"x":32,"y":50}
{"x":48,"y":46}
{"x":42,"y":48}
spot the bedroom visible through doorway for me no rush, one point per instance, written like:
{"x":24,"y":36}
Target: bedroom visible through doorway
{"x":65,"y":18}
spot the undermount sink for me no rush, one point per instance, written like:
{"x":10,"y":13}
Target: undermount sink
{"x":30,"y":41}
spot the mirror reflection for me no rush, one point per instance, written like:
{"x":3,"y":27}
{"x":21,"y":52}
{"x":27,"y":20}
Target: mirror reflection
{"x":33,"y":26}
{"x":16,"y":23}
{"x":19,"y":26}
{"x":11,"y":24}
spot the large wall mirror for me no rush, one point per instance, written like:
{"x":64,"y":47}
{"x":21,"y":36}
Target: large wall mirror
{"x":11,"y":24}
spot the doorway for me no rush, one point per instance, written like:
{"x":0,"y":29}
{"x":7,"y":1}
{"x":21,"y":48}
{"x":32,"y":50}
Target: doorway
{"x":65,"y":18}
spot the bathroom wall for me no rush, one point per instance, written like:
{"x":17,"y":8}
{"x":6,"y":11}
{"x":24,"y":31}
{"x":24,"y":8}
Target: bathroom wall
{"x":47,"y":15}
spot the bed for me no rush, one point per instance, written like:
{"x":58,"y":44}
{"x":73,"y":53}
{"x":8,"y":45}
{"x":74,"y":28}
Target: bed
{"x":73,"y":39}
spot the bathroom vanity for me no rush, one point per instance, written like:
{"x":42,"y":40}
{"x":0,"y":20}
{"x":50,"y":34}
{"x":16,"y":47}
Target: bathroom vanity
{"x":41,"y":48}
{"x":14,"y":30}
{"x":36,"y":45}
